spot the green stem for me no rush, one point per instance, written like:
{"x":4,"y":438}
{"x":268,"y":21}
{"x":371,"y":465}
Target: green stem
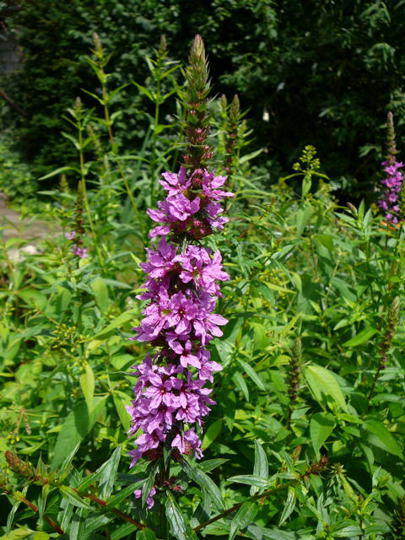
{"x":85,"y":197}
{"x":236,"y":506}
{"x":107,"y":117}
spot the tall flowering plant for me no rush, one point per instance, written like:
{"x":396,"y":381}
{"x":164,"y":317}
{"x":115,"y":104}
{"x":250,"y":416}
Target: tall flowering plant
{"x":75,"y":236}
{"x":172,"y":393}
{"x":392,"y":182}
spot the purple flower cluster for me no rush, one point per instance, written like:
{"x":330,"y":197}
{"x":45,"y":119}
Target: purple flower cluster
{"x":76,"y":249}
{"x":149,"y":500}
{"x":182,"y":288}
{"x":80,"y":252}
{"x":392,"y":184}
{"x":192,"y":204}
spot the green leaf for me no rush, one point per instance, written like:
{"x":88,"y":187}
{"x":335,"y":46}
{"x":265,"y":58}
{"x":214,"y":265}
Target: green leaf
{"x":73,"y":497}
{"x":23,"y":533}
{"x":89,"y":526}
{"x":381,"y":437}
{"x":320,"y":427}
{"x":302,"y":217}
{"x":350,"y":531}
{"x":40,"y":536}
{"x":104,"y":476}
{"x":67,"y":461}
{"x":252,"y":155}
{"x":326,"y":240}
{"x":101,"y":293}
{"x":87,"y":384}
{"x":57,"y":171}
{"x":146,"y":534}
{"x":261,"y":466}
{"x":62,"y":300}
{"x":107,"y":473}
{"x":124,"y":531}
{"x":178,"y":527}
{"x":250,"y":480}
{"x":121,"y":401}
{"x":343,"y":289}
{"x":241,"y":384}
{"x":260,"y":533}
{"x":212,"y":433}
{"x":252,"y":374}
{"x":211,"y":464}
{"x":76,"y":426}
{"x":361,"y":337}
{"x":119,"y":321}
{"x":278,"y":288}
{"x":33,"y":298}
{"x":322,"y":382}
{"x":243,"y":517}
{"x":205,"y":482}
{"x":306,"y":185}
{"x":149,"y":482}
{"x":289,"y":506}
{"x":124,"y":493}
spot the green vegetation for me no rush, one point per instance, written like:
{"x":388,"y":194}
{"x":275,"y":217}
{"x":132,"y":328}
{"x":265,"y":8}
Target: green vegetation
{"x":322,"y":73}
{"x":305,"y":441}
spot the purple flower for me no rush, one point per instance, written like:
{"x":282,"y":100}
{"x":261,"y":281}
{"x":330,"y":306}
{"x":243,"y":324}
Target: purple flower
{"x":164,"y":396}
{"x":70,"y":235}
{"x":183,"y":313}
{"x":182,"y":288}
{"x":149,"y":500}
{"x":203,"y":270}
{"x":179,"y":211}
{"x":80,"y":252}
{"x":210,"y":185}
{"x":173,"y":209}
{"x":393,"y":185}
{"x":187,"y":442}
{"x":176,"y":184}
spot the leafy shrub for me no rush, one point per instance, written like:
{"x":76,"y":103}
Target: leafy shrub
{"x":305,"y":439}
{"x":320,"y":73}
{"x":16,"y":178}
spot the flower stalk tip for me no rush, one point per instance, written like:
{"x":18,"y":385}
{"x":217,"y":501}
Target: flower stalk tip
{"x":194,"y":98}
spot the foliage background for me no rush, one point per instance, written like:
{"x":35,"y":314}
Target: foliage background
{"x":306,"y":439}
{"x":322,"y":73}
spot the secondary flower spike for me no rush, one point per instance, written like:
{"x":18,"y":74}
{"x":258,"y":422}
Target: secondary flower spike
{"x":182,"y":287}
{"x":393,"y":179}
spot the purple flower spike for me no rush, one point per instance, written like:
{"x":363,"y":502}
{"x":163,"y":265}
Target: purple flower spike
{"x":182,"y":289}
{"x":394,"y":177}
{"x":182,"y":286}
{"x":392,"y":188}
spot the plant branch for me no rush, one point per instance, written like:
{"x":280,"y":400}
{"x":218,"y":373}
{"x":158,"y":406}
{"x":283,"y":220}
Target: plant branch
{"x":12,"y":103}
{"x":315,"y":468}
{"x":118,"y":513}
{"x":35,"y":509}
{"x":239,"y":504}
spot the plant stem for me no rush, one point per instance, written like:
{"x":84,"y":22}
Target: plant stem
{"x":392,"y":321}
{"x":118,"y":513}
{"x":294,"y":378}
{"x":315,"y":468}
{"x":103,"y":78}
{"x":34,"y":508}
{"x":239,"y":504}
{"x":85,"y":197}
